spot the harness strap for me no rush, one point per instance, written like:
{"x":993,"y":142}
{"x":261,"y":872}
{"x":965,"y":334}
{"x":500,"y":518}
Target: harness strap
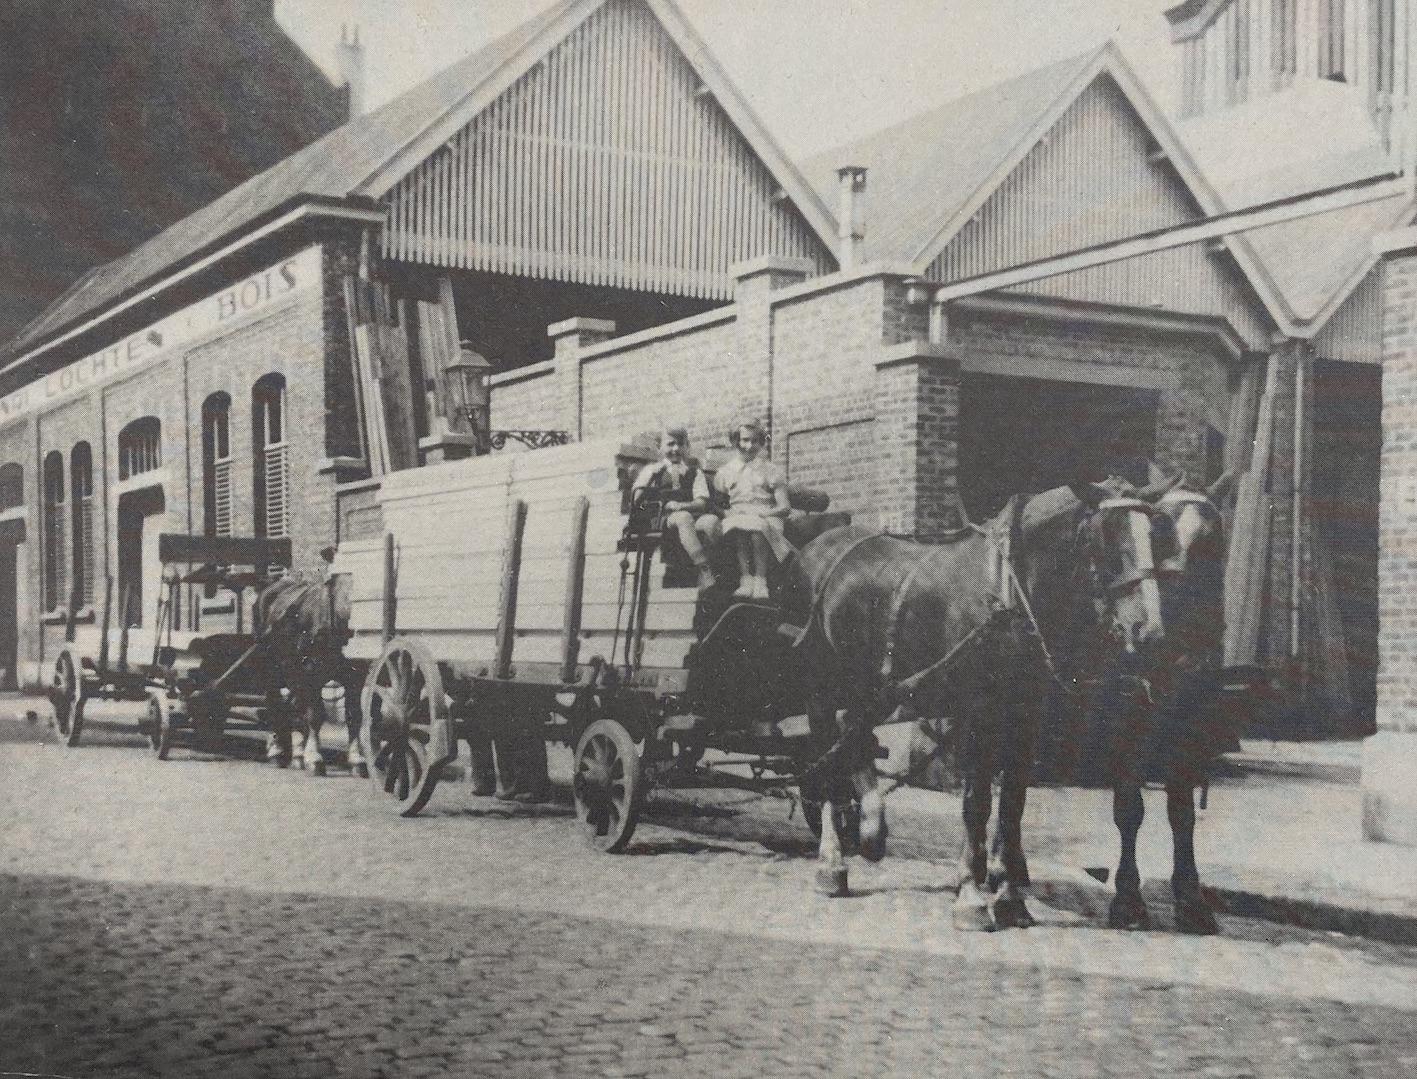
{"x":815,"y":613}
{"x":893,"y":617}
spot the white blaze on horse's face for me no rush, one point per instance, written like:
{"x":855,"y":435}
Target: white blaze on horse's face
{"x":1150,"y":591}
{"x":1190,"y":516}
{"x":1144,"y":626}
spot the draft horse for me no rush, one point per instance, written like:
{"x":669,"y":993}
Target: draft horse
{"x":978,"y":626}
{"x":308,"y":619}
{"x":1160,"y":706}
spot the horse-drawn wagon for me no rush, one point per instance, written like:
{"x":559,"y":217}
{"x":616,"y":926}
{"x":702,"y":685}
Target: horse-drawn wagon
{"x":199,"y":681}
{"x":524,"y":596}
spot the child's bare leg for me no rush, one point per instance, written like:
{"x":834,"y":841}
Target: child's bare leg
{"x":762,"y":562}
{"x":744,"y":546}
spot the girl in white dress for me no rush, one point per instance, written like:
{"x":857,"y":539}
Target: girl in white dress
{"x":757,"y":507}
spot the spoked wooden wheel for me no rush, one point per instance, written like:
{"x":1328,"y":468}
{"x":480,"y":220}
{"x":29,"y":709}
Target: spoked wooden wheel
{"x":608,"y":785}
{"x":407,"y":733}
{"x":159,"y":725}
{"x":66,"y":694}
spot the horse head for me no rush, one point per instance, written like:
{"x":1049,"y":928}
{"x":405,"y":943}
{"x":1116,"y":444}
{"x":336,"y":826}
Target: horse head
{"x":1189,"y":545}
{"x":1113,"y":551}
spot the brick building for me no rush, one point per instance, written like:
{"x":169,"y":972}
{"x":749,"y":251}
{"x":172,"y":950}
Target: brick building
{"x":1281,"y":97}
{"x":286,"y":342}
{"x":117,"y":119}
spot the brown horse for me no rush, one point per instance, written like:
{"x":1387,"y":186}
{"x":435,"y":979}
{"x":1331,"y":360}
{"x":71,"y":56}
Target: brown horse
{"x":1159,"y":706}
{"x":310,"y":617}
{"x":979,"y":627}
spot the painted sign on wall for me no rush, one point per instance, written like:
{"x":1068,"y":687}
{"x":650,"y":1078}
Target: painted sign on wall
{"x":227,"y":307}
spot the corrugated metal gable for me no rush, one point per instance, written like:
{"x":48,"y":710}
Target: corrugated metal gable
{"x":925,"y":170}
{"x":604,"y":164}
{"x":1089,"y":180}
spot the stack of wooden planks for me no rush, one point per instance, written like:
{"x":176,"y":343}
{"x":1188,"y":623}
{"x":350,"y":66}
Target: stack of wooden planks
{"x":1247,"y":559}
{"x":452,"y":526}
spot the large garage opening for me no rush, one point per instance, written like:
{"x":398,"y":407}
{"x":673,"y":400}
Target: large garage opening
{"x":1347,"y":403}
{"x":1025,"y":435}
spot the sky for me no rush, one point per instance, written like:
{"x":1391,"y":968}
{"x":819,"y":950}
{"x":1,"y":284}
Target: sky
{"x":818,"y":72}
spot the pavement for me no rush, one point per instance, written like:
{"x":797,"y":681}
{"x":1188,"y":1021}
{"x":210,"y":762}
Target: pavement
{"x":209,"y":916}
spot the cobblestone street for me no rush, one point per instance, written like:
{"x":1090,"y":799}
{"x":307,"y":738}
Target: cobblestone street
{"x":215,"y":917}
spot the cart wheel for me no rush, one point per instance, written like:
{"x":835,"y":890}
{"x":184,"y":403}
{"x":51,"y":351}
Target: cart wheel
{"x":607,"y":784}
{"x":407,"y":733}
{"x":66,"y":694}
{"x":160,"y":726}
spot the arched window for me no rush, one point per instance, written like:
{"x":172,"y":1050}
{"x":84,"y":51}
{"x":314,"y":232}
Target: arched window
{"x":12,"y":486}
{"x":81,"y":504}
{"x":270,"y":458}
{"x":53,"y":528}
{"x":139,"y":447}
{"x":216,"y":465}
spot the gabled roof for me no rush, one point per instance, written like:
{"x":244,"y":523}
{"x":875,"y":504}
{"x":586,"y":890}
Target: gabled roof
{"x":364,"y":158}
{"x":924,"y":171}
{"x":929,"y":175}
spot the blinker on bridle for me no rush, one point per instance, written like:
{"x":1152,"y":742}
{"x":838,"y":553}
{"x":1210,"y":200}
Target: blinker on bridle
{"x":1141,"y":537}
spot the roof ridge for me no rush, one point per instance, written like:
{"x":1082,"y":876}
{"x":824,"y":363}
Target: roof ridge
{"x":1079,"y":61}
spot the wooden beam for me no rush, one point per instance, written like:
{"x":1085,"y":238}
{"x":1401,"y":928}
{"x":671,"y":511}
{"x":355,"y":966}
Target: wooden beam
{"x":1293,"y":208}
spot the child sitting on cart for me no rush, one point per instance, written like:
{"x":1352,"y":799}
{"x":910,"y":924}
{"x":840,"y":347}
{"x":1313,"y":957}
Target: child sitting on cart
{"x":678,"y":480}
{"x":757,"y":507}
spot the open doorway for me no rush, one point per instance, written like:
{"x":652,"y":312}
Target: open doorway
{"x":1348,"y":442}
{"x":141,"y":518}
{"x":12,"y":535}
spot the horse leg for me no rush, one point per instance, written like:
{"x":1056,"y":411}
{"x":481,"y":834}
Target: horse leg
{"x":278,"y":749}
{"x":314,"y":712}
{"x":831,"y":879}
{"x":1193,"y":913}
{"x":864,"y":781}
{"x":971,"y":909}
{"x":354,"y":756}
{"x":1008,"y":868}
{"x":1128,"y":909}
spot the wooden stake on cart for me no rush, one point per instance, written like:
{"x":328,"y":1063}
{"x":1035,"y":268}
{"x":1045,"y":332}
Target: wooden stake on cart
{"x":107,"y":614}
{"x":511,"y":575}
{"x":125,"y":605}
{"x":390,"y":610}
{"x":575,"y":583}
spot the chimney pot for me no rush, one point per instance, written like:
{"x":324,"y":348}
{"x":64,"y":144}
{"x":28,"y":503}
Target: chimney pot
{"x":350,"y":55}
{"x":851,"y":184}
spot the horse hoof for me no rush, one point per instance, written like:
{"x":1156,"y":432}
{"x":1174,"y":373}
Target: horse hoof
{"x":832,"y":883}
{"x":873,"y":841}
{"x":1011,"y":912}
{"x":280,"y":762}
{"x":972,"y":919}
{"x":1193,"y":916}
{"x":361,"y":770}
{"x":1128,"y":912}
{"x":318,"y":768}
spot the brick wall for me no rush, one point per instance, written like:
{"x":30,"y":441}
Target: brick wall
{"x":290,"y":340}
{"x":816,"y":355}
{"x":1397,"y":521}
